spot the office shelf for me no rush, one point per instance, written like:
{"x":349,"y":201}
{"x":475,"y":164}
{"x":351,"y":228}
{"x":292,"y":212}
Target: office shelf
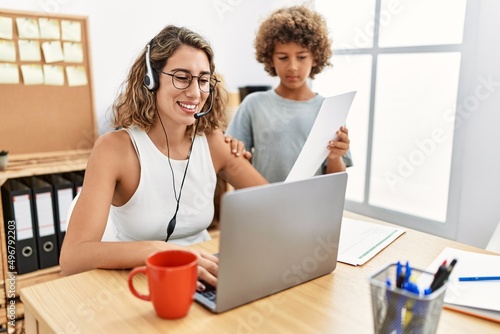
{"x":22,"y":165}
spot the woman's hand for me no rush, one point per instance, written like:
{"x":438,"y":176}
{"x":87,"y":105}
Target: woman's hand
{"x":208,"y":268}
{"x":238,"y":147}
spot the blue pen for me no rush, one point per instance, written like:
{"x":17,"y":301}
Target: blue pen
{"x":407,"y":285}
{"x":479,"y":278}
{"x":398,"y":269}
{"x":407,"y":272}
{"x":413,"y":288}
{"x":392,"y":317}
{"x":399,"y":275}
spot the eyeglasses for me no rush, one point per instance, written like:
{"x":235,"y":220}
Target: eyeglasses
{"x":182,"y":80}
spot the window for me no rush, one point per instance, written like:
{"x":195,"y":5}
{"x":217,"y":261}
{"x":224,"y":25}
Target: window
{"x":403,"y":58}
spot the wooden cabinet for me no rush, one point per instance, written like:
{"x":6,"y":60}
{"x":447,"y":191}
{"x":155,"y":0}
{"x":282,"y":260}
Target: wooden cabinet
{"x":21,"y":165}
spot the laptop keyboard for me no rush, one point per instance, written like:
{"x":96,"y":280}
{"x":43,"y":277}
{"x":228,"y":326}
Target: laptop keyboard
{"x":209,"y":293}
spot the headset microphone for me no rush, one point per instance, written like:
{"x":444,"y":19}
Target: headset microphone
{"x":201,"y":114}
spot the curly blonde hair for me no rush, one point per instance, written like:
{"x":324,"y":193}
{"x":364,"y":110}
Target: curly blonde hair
{"x":296,"y":24}
{"x":136,"y":105}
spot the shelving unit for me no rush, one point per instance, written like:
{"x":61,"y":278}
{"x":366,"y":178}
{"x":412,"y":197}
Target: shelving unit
{"x":22,"y":165}
{"x":47,"y":128}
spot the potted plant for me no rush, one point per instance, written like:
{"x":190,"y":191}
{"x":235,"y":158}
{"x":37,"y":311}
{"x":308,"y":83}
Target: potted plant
{"x":4,"y":159}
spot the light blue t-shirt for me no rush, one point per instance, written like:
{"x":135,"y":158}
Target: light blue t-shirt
{"x":277,"y":129}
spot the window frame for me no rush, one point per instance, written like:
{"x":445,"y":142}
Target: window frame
{"x":449,"y":228}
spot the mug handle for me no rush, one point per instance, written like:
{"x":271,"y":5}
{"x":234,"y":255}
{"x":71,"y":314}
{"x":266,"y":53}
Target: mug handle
{"x":131,"y":275}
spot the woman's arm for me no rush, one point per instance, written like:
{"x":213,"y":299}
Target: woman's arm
{"x":82,"y":248}
{"x":111,"y":176}
{"x":238,"y":172}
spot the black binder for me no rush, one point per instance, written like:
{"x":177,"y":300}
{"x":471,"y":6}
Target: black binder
{"x":43,"y":213}
{"x":62,"y":189}
{"x":77,"y":179}
{"x":18,"y":216}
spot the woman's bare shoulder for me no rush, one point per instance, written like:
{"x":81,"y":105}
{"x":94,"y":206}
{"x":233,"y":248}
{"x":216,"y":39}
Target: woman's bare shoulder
{"x":113,"y":143}
{"x":113,"y":138}
{"x":112,"y":147}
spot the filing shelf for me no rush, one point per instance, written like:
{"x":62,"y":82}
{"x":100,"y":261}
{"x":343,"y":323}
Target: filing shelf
{"x":22,"y":165}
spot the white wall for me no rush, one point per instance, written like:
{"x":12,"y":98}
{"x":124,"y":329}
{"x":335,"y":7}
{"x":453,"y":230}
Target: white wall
{"x":119,"y":30}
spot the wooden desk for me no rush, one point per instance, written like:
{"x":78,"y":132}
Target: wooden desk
{"x":99,"y":301}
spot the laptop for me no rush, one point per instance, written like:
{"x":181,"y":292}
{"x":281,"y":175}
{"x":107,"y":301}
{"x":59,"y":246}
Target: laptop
{"x":274,"y":237}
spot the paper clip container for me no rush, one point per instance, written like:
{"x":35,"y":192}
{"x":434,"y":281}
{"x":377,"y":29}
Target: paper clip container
{"x":397,"y":310}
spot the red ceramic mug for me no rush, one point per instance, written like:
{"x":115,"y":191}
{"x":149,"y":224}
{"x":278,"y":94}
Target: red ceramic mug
{"x":172,"y":277}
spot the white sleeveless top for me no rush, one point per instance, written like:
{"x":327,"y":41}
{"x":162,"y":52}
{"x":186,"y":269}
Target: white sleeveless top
{"x":147,"y":214}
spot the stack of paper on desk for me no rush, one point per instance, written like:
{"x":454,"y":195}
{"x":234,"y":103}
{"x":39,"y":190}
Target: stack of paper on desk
{"x":361,"y":240}
{"x":478,"y":298}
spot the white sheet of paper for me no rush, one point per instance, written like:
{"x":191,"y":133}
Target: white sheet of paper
{"x":360,"y":240}
{"x":71,"y":31}
{"x":49,"y":28}
{"x":479,"y":294}
{"x":27,"y":28}
{"x":52,"y":51}
{"x":73,"y":52}
{"x":29,"y":50}
{"x":6,"y":27}
{"x":331,"y":117}
{"x":32,"y":74}
{"x":76,"y":76}
{"x":7,"y":51}
{"x":9,"y":73}
{"x":53,"y":75}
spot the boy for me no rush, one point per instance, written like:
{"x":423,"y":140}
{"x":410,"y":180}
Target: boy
{"x":293,"y":44}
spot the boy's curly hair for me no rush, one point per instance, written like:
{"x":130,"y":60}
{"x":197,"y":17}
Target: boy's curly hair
{"x":296,"y":24}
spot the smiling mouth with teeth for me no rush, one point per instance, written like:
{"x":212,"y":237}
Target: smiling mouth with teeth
{"x":188,"y":106}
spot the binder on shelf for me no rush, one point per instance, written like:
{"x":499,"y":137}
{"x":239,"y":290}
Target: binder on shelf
{"x":43,"y":213}
{"x":18,"y":216}
{"x":77,"y":179}
{"x":62,"y":189}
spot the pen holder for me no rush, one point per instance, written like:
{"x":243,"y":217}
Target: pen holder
{"x":396,"y":310}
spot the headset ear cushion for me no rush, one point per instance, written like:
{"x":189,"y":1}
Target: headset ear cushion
{"x":151,"y":81}
{"x":147,"y":81}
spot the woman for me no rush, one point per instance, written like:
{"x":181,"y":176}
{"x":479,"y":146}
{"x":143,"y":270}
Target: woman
{"x":155,"y":179}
